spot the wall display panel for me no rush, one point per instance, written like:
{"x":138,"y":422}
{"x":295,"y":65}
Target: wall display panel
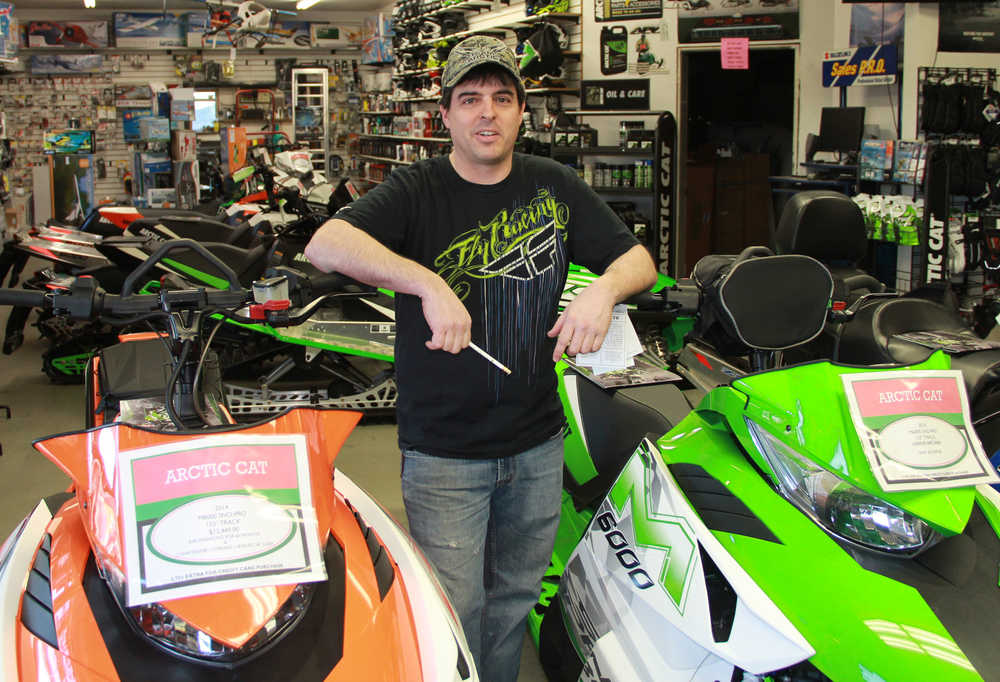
{"x":878,"y":24}
{"x":701,"y":21}
{"x":969,"y":27}
{"x":35,"y":103}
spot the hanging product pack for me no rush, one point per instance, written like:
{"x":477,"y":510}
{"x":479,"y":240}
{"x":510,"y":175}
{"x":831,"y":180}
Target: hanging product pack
{"x":614,"y":50}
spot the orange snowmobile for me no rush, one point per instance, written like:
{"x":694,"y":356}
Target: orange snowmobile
{"x":192,"y":548}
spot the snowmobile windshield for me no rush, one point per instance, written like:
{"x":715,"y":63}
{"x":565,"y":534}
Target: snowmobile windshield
{"x":135,"y":484}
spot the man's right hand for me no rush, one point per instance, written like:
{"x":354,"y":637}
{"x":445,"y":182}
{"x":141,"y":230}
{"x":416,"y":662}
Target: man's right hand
{"x":448,"y":318}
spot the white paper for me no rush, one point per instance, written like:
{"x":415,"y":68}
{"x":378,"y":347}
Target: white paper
{"x":621,"y":345}
{"x":218,"y":513}
{"x":916,"y":430}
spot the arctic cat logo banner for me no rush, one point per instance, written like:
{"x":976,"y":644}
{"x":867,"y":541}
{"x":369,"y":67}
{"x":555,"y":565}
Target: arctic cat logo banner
{"x":936,"y":212}
{"x":667,"y":233}
{"x":869,"y":65}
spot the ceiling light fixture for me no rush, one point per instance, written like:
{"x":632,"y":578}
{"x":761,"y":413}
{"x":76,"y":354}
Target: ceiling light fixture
{"x":90,"y":4}
{"x":305,"y":4}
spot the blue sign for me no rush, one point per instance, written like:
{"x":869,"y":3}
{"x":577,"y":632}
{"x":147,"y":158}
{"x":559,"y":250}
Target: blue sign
{"x":869,"y":65}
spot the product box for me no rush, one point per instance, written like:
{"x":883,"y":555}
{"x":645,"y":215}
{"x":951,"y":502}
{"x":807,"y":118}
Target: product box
{"x":566,"y":136}
{"x":233,"y":140}
{"x":61,"y":63}
{"x":154,"y":129}
{"x":152,"y":163}
{"x":288,"y":34}
{"x":161,"y":197}
{"x":574,"y":136}
{"x":9,"y":33}
{"x":181,"y":104}
{"x":133,"y":96}
{"x":150,"y":170}
{"x":149,"y":30}
{"x":909,"y":162}
{"x":66,"y":34}
{"x":187,"y":184}
{"x":68,"y":141}
{"x":197,"y":25}
{"x":875,"y":160}
{"x":335,"y":35}
{"x":130,"y":123}
{"x":181,"y":110}
{"x":183,"y":145}
{"x":376,"y":40}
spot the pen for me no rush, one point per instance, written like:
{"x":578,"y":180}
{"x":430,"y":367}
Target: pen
{"x":489,"y":357}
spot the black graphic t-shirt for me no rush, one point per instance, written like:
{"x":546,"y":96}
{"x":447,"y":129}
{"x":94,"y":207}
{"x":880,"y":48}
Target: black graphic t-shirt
{"x":504,"y":249}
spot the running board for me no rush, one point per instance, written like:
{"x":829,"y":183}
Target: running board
{"x":252,"y":400}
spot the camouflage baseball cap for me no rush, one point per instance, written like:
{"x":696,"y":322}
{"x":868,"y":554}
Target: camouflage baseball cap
{"x":476,"y":51}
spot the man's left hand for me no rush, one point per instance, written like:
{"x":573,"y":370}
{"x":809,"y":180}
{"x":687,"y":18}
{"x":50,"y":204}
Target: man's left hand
{"x":584,"y":322}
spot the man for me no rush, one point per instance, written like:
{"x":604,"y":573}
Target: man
{"x":477,"y":246}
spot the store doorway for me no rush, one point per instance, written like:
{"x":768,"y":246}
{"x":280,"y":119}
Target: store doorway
{"x":737,"y":127}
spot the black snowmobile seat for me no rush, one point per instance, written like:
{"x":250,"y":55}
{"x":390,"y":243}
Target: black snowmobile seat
{"x":199,"y":227}
{"x":871,"y":338}
{"x":830,"y":227}
{"x":824,"y":224}
{"x":614,"y":422}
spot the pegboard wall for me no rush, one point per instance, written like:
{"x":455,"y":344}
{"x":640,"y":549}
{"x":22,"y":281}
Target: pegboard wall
{"x":35,"y":103}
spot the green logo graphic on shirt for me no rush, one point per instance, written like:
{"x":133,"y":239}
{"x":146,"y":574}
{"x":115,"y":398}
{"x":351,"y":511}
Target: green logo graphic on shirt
{"x":518,"y":244}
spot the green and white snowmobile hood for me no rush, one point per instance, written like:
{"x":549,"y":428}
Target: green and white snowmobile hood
{"x":695,"y":567}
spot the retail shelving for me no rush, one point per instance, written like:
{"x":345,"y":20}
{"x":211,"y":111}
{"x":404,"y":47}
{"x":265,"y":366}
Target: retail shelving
{"x":311,"y":113}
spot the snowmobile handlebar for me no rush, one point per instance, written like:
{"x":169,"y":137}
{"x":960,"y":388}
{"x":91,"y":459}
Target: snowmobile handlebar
{"x":22,"y":297}
{"x":84,"y":300}
{"x":679,"y":300}
{"x":139,"y":274}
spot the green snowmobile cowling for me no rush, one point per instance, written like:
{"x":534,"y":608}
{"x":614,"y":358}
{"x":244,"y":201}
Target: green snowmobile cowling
{"x":810,"y":422}
{"x":697,"y":564}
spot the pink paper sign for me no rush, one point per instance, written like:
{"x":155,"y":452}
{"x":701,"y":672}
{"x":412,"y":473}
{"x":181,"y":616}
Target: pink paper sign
{"x":209,"y":470}
{"x":908,"y":396}
{"x":735,"y":53}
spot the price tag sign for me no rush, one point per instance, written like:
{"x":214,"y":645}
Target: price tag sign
{"x":218,"y":513}
{"x":916,"y":430}
{"x":735,"y":53}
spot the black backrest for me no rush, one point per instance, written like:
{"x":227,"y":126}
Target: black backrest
{"x":824,"y":224}
{"x":776,"y":302}
{"x":761,"y":303}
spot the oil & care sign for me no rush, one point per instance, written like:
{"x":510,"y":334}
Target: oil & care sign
{"x":916,"y":430}
{"x":218,"y":513}
{"x":623,"y":93}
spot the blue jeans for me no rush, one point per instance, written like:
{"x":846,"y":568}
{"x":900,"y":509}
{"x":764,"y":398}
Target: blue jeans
{"x":488,"y":527}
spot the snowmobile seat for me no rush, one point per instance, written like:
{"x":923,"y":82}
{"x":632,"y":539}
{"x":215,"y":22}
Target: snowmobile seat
{"x":198,"y":227}
{"x":830,"y":227}
{"x":613,"y":423}
{"x":872,"y":338}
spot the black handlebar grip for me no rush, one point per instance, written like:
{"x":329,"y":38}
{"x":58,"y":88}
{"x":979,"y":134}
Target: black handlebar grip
{"x":647,"y":300}
{"x":864,"y":281}
{"x":22,"y":297}
{"x":177,"y":245}
{"x":751,"y":252}
{"x":329,"y":283}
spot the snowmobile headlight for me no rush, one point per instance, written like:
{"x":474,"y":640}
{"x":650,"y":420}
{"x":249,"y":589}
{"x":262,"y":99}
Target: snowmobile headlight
{"x":841,"y":508}
{"x":176,"y":635}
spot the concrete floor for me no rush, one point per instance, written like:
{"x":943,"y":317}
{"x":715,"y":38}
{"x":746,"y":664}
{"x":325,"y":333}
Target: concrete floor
{"x":39,"y":408}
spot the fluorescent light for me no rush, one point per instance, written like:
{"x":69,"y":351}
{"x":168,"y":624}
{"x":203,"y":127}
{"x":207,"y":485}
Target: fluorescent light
{"x":305,"y":4}
{"x":90,"y":4}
